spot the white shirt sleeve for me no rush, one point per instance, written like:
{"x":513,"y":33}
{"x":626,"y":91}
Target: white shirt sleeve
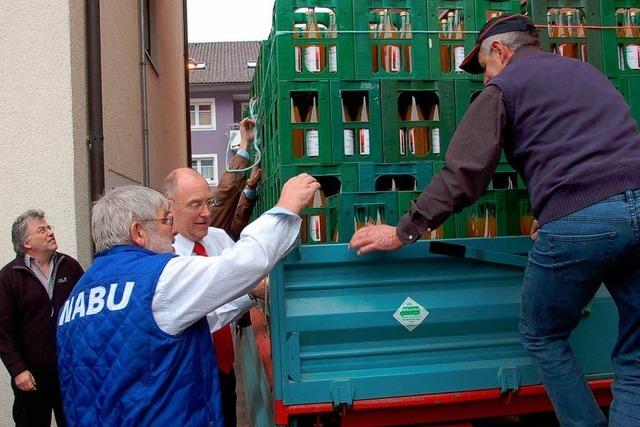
{"x":230,"y":312}
{"x":190,"y":287}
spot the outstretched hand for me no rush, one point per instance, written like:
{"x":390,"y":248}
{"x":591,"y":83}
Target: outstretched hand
{"x":375,"y":238}
{"x":297,"y":192}
{"x":535,"y":225}
{"x":247,"y":127}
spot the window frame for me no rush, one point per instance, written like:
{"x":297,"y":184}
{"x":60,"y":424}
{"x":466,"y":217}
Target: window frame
{"x":203,"y":101}
{"x":198,"y":159}
{"x":151,"y":33}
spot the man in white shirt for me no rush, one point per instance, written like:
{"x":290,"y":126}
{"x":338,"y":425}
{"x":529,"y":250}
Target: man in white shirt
{"x":133,"y":343}
{"x":192,"y":204}
{"x":190,"y":200}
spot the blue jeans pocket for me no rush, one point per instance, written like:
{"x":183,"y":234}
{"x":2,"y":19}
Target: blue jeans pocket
{"x":581,"y":258}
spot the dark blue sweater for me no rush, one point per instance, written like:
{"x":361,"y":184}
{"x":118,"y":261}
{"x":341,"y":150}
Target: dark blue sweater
{"x":571,"y":135}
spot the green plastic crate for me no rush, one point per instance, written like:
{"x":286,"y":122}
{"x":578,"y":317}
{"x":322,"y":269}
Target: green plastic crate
{"x":487,"y":9}
{"x":291,"y":135}
{"x":318,"y":235}
{"x":347,"y":131}
{"x":445,"y":231}
{"x":346,"y":174}
{"x":287,"y":58}
{"x":525,"y":213}
{"x":616,"y":59}
{"x":411,"y":60}
{"x":395,"y":95}
{"x":505,"y":178}
{"x":407,"y":176}
{"x":495,"y":213}
{"x":629,"y":86}
{"x":447,"y":47}
{"x":360,"y":207}
{"x":284,"y":12}
{"x":587,"y":47}
{"x":465,"y":92}
{"x":505,"y":201}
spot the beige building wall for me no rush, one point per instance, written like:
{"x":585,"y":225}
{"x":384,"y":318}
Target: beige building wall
{"x":121,"y":105}
{"x":166,"y":95}
{"x":43,"y":116}
{"x":43,"y":153}
{"x":122,"y":93}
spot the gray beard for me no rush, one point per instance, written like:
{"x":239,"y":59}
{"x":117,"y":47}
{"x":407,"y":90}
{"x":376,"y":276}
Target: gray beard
{"x":160,"y":245}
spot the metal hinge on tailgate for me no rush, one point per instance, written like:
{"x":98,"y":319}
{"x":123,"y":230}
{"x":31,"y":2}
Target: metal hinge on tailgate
{"x":293,"y":357}
{"x":342,"y":393}
{"x":509,"y":380}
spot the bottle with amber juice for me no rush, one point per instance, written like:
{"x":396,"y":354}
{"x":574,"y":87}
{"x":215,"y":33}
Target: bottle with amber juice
{"x":445,"y":49}
{"x":631,"y":29}
{"x":317,"y":222}
{"x":312,"y":137}
{"x":363,"y":133}
{"x":405,"y":33}
{"x":390,"y":53}
{"x":347,"y":134}
{"x":458,"y":34}
{"x":376,"y":34}
{"x":332,"y":33}
{"x":297,"y":135}
{"x":314,"y":54}
{"x":417,"y":137}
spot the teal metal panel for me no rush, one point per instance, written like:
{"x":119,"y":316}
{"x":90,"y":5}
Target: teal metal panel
{"x":335,"y":311}
{"x":256,"y":387}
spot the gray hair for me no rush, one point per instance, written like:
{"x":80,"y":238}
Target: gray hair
{"x":514,"y":40}
{"x":19,"y":233}
{"x":169,"y":184}
{"x":113,"y":214}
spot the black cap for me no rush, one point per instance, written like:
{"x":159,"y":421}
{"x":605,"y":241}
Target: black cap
{"x":498,"y":25}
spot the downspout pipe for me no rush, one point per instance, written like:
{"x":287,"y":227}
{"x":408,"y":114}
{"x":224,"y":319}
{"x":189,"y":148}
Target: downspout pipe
{"x":95,"y":139}
{"x":143,"y":97}
{"x":187,"y":95}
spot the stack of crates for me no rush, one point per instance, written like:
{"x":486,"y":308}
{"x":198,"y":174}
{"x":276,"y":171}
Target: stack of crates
{"x":365,"y":96}
{"x":605,"y":33}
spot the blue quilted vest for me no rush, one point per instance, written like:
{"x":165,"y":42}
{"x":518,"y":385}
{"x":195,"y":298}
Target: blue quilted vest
{"x":117,"y":367}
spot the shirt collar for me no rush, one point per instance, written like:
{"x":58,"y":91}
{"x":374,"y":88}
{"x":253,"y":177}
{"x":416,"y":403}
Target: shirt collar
{"x":30,"y":261}
{"x":183,"y":245}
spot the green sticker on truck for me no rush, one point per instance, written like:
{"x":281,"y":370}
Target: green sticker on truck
{"x":410,"y":314}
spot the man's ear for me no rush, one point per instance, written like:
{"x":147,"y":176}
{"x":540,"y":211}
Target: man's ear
{"x":497,"y":46}
{"x":171,"y":211}
{"x":138,"y":234}
{"x":502,"y":50}
{"x":27,"y":244}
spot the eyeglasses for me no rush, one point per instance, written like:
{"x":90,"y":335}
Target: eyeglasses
{"x":197,"y":206}
{"x":166,"y":220}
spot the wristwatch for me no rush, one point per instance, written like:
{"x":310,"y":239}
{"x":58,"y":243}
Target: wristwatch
{"x":249,"y":193}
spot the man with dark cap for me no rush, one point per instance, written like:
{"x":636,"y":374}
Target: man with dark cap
{"x":570,"y":135}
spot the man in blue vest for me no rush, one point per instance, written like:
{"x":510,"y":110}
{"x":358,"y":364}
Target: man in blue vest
{"x":134,"y":347}
{"x":570,"y":135}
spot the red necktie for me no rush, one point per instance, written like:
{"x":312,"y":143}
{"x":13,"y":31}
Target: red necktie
{"x":222,"y":337}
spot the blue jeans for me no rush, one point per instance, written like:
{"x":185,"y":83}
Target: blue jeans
{"x":570,"y":259}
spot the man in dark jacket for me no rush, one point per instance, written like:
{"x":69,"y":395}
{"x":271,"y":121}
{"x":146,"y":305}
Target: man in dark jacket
{"x":570,"y":135}
{"x":33,"y":288}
